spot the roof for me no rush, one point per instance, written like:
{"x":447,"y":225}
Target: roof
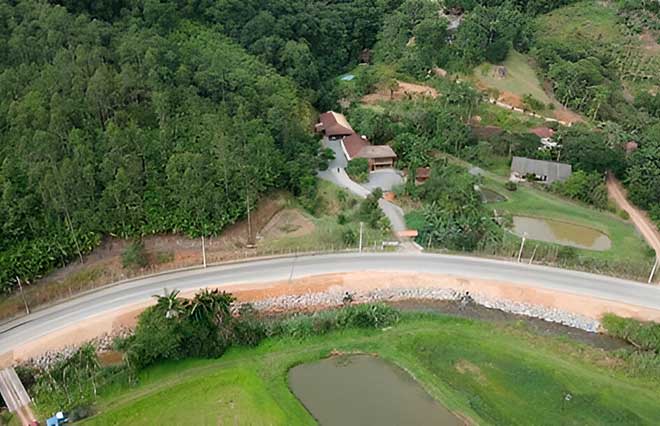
{"x":377,"y":151}
{"x":553,"y":171}
{"x":335,"y":124}
{"x":543,"y":132}
{"x":353,"y":144}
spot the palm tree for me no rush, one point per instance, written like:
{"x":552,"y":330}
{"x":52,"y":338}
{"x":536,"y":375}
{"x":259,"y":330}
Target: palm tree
{"x":170,"y":304}
{"x":212,"y":306}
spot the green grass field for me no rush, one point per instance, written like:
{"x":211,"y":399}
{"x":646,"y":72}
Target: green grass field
{"x":491,"y":373}
{"x":626,"y":242}
{"x":587,"y":20}
{"x":521,"y":79}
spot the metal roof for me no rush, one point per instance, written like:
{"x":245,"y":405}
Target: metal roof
{"x":552,"y":170}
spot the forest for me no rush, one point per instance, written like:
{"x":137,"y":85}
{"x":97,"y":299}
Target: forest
{"x":135,"y":117}
{"x":138,"y":117}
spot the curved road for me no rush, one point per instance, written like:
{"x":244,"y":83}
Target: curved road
{"x":124,"y":294}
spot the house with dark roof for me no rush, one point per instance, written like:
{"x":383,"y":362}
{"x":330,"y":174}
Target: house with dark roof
{"x":334,"y":125}
{"x":544,"y":171}
{"x":378,"y":156}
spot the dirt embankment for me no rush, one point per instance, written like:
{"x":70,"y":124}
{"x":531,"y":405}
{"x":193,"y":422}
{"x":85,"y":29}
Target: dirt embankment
{"x":359,"y":283}
{"x":402,"y":91}
{"x":639,"y":218}
{"x":165,"y":252}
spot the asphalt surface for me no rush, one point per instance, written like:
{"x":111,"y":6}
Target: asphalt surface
{"x":76,"y":311}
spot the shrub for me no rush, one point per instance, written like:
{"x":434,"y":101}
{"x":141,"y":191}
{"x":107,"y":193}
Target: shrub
{"x":567,"y":253}
{"x":134,"y":256}
{"x":368,"y":316}
{"x":249,"y":331}
{"x":643,"y":335}
{"x":623,"y":214}
{"x":349,"y":236}
{"x":511,"y":186}
{"x":358,"y":169}
{"x":341,"y":219}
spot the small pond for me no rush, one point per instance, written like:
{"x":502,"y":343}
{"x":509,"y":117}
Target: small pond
{"x":561,"y":233}
{"x":365,"y":390}
{"x":347,"y":77}
{"x":490,"y":196}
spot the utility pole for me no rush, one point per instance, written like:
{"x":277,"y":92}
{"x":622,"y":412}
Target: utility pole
{"x":655,"y":266}
{"x":203,"y":251}
{"x":361,"y":229}
{"x":522,"y":245}
{"x":20,"y":288}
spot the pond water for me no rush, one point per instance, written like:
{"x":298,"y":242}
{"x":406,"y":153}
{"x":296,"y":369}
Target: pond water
{"x":561,"y":233}
{"x":490,"y":196}
{"x":365,"y":390}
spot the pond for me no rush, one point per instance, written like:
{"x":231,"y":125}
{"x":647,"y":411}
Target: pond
{"x":365,"y":390}
{"x":347,"y":77}
{"x":490,"y":196}
{"x":563,"y":233}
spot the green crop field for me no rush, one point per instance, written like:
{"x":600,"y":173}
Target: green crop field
{"x":490,"y":372}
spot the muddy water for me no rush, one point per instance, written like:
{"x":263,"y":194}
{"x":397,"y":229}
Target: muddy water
{"x":365,"y":390}
{"x":561,"y":233}
{"x":490,"y":196}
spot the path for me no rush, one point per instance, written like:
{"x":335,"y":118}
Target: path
{"x":99,"y":305}
{"x":640,"y":219}
{"x":337,"y":175}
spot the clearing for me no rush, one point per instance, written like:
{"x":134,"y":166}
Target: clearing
{"x":515,"y":78}
{"x":490,"y":373}
{"x":404,"y":90}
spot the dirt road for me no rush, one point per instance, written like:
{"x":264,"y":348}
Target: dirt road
{"x":639,"y":218}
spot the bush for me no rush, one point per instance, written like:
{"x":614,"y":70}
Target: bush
{"x":643,"y":335}
{"x":349,"y":236}
{"x":623,"y":214}
{"x":341,"y":219}
{"x":358,"y":169}
{"x":134,"y":256}
{"x":368,"y":316}
{"x":511,"y":186}
{"x":567,"y":253}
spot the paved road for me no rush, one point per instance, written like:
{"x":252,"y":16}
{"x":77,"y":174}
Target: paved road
{"x":78,"y":310}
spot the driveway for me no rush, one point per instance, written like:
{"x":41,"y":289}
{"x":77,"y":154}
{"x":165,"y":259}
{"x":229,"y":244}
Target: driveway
{"x":384,"y":179}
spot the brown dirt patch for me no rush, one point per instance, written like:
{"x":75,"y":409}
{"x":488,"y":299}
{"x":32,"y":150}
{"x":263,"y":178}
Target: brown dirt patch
{"x":649,"y":42}
{"x":511,"y":99}
{"x":464,"y":366}
{"x":287,"y":223}
{"x":566,"y":115}
{"x":109,"y":358}
{"x":403,"y":91}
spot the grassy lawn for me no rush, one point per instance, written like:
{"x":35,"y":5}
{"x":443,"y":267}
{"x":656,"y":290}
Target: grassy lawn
{"x":587,"y":21}
{"x":521,"y":79}
{"x":626,"y":242}
{"x":491,"y":373}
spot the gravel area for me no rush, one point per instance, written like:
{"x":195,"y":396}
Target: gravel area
{"x":313,"y":300}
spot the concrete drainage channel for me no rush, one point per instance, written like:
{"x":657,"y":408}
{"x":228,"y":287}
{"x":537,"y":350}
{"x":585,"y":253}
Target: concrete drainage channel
{"x":336,"y":298}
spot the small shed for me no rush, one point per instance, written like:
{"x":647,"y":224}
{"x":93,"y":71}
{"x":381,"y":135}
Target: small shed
{"x":545,"y":171}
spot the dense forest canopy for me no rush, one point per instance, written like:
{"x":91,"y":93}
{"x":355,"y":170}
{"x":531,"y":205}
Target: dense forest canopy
{"x":135,"y":117}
